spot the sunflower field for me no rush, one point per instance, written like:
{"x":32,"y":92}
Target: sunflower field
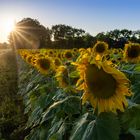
{"x":81,"y":94}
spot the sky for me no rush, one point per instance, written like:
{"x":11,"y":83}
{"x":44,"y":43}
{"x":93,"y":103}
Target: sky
{"x":93,"y":16}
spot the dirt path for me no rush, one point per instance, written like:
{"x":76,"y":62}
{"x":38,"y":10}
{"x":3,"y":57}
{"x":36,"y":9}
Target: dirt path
{"x":10,"y":103}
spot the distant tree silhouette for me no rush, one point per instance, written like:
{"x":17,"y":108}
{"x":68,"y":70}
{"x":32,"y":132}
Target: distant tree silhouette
{"x":117,"y":38}
{"x":67,"y":37}
{"x":29,"y":33}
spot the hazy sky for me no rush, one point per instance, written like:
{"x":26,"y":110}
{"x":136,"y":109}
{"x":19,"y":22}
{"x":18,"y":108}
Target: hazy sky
{"x":93,"y":16}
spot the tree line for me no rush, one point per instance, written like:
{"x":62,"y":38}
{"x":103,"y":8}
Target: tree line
{"x":29,"y":33}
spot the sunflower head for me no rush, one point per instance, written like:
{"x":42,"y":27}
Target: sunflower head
{"x":60,"y":55}
{"x":68,"y":55}
{"x":50,"y":53}
{"x":44,"y":64}
{"x":98,"y":82}
{"x":104,"y":86}
{"x":57,"y":62}
{"x":100,"y":47}
{"x":62,"y":76}
{"x":75,"y":50}
{"x":132,"y":52}
{"x":29,"y":59}
{"x":24,"y":56}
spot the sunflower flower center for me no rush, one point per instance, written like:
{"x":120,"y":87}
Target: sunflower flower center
{"x":57,"y":62}
{"x":100,"y":48}
{"x":133,"y":52}
{"x":68,"y":55}
{"x":100,"y":83}
{"x":44,"y":63}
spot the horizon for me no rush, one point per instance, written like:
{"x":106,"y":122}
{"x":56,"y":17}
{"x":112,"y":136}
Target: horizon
{"x":92,"y":16}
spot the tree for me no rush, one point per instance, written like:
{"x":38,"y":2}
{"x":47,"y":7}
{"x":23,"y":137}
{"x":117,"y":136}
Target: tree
{"x":29,"y":33}
{"x":66,"y":36}
{"x":117,"y":38}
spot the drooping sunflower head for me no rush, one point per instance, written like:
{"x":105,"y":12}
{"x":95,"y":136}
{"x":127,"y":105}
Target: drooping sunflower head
{"x":44,"y":64}
{"x":104,"y":86}
{"x":132,"y":52}
{"x":62,"y":76}
{"x":60,"y":55}
{"x":57,"y":62}
{"x":29,"y":59}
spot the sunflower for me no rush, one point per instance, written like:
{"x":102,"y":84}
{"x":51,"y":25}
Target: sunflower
{"x":57,"y":62}
{"x":68,"y":55}
{"x":60,"y":55}
{"x":99,"y":49}
{"x":75,"y":50}
{"x":29,"y":59}
{"x":52,"y":53}
{"x":104,"y":86}
{"x":24,"y":56}
{"x":44,"y":64}
{"x":62,"y":76}
{"x":132,"y":52}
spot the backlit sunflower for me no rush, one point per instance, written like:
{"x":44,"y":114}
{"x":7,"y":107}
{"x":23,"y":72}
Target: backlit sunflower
{"x":99,"y":49}
{"x":24,"y":55}
{"x":68,"y":55}
{"x":52,"y":53}
{"x":104,"y":86}
{"x":75,"y":50}
{"x":132,"y":52}
{"x":57,"y":62}
{"x":62,"y":76}
{"x":29,"y":59}
{"x":44,"y":64}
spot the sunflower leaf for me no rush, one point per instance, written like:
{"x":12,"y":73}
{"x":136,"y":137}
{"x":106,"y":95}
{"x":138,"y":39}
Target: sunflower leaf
{"x":74,"y":74}
{"x":130,"y":118}
{"x":105,"y":127}
{"x":137,"y":68}
{"x":136,"y":133}
{"x":79,"y":128}
{"x":69,"y":105}
{"x":136,"y":91}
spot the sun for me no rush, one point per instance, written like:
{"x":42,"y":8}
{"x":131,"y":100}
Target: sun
{"x":7,"y":25}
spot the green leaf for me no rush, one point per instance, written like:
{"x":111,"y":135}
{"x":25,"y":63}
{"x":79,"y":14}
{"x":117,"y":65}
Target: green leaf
{"x":136,"y":90}
{"x":70,"y":105}
{"x":131,"y":117}
{"x":74,"y":74}
{"x":54,"y":128}
{"x":136,"y":133}
{"x":80,"y":128}
{"x":35,"y":117}
{"x":90,"y":132}
{"x":105,"y":127}
{"x":137,"y":68}
{"x":59,"y":134}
